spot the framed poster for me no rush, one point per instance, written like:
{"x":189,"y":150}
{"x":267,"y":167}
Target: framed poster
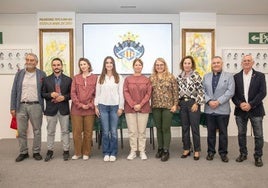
{"x":12,"y":60}
{"x":56,"y":43}
{"x":199,"y":43}
{"x":233,"y":57}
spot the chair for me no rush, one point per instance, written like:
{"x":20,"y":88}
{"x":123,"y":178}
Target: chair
{"x":121,"y":125}
{"x":97,"y":128}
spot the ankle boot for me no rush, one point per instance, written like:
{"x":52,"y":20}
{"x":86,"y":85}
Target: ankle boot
{"x":159,"y":153}
{"x":165,"y":155}
{"x":65,"y":155}
{"x":49,"y":155}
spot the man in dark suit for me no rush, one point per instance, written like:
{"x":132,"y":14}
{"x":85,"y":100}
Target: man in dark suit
{"x":56,"y":91}
{"x":250,"y":90}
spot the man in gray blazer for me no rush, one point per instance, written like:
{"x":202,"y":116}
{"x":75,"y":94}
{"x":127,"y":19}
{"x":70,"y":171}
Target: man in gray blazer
{"x":26,"y":104}
{"x":219,"y":88}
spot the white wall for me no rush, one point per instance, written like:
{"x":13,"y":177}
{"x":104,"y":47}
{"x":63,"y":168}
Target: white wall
{"x":20,"y":31}
{"x":232,"y":32}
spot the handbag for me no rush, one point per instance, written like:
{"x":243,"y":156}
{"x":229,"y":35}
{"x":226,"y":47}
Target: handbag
{"x":13,"y":123}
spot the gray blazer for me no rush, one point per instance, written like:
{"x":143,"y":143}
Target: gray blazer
{"x":223,"y":93}
{"x":17,"y":88}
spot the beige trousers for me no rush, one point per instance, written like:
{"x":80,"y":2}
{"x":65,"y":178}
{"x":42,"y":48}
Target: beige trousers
{"x":137,"y":123}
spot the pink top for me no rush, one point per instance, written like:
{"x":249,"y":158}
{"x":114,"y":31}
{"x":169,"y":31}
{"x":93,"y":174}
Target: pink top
{"x":137,"y":90}
{"x":82,"y":93}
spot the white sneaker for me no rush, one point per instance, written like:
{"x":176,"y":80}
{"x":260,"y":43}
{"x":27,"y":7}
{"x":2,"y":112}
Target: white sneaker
{"x":112,"y":158}
{"x":85,"y":157}
{"x":132,"y":155}
{"x":106,"y":158}
{"x":75,"y":157}
{"x":143,"y":155}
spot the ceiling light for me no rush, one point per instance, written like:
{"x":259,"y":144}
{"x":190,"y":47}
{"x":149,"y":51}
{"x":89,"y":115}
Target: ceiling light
{"x":128,"y":6}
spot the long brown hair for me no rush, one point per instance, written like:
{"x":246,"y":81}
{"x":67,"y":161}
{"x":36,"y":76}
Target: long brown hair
{"x":104,"y":71}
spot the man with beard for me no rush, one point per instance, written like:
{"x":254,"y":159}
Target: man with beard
{"x":56,"y":91}
{"x":27,"y":104}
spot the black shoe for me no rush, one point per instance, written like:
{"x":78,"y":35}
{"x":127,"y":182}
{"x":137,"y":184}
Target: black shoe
{"x":65,"y":155}
{"x":37,"y":156}
{"x":241,"y":158}
{"x":159,"y":153}
{"x":165,"y":155}
{"x":21,"y":157}
{"x":258,"y":162}
{"x":196,"y":157}
{"x":49,"y":155}
{"x":210,"y":156}
{"x":224,"y":158}
{"x":186,"y":155}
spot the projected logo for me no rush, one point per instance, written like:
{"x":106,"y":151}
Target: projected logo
{"x":128,"y":49}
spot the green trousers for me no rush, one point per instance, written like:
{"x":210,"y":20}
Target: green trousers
{"x":163,"y":121}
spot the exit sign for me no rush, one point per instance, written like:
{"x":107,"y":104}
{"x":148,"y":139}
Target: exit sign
{"x":258,"y":38}
{"x":1,"y":38}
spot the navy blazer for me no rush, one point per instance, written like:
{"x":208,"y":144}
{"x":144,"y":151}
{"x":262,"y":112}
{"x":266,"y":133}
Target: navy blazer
{"x":49,"y":87}
{"x":256,"y":93}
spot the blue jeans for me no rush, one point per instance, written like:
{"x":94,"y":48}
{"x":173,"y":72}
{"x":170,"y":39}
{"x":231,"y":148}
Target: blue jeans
{"x":256,"y":123}
{"x":109,"y":123}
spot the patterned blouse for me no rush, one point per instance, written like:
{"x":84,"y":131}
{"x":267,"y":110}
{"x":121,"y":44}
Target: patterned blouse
{"x":191,"y":86}
{"x":165,"y":92}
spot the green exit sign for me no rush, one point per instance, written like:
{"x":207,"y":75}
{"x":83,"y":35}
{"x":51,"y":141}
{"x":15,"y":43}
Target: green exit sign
{"x":1,"y":38}
{"x":258,"y":38}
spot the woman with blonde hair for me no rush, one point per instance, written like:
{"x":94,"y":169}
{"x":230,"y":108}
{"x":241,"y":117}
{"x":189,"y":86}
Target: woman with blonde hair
{"x":164,"y":104}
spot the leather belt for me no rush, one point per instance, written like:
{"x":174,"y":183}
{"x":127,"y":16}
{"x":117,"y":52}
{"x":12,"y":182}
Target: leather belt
{"x":29,"y":102}
{"x":185,"y":98}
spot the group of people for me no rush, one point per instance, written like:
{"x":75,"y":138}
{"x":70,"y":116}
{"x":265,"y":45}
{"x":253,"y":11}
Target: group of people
{"x":108,"y":95}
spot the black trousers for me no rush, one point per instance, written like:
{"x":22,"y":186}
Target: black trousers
{"x":214,"y":122}
{"x":190,"y":119}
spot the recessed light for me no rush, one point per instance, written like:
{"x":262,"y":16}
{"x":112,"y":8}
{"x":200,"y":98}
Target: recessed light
{"x":128,"y":6}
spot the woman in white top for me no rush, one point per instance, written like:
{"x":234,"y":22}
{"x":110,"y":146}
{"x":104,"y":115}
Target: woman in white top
{"x":109,"y":102}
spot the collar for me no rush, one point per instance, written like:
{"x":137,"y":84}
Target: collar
{"x":217,"y":73}
{"x":183,"y":74}
{"x":249,"y":73}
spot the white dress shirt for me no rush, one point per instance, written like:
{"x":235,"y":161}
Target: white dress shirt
{"x":246,"y":82}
